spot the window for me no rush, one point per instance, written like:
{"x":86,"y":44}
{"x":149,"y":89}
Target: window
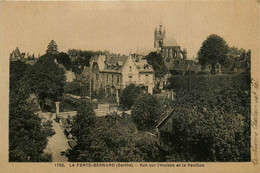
{"x":112,"y":78}
{"x":130,"y":79}
{"x":107,"y":77}
{"x":130,"y":68}
{"x":97,"y":76}
{"x":117,"y":78}
{"x":146,"y":78}
{"x":139,"y":78}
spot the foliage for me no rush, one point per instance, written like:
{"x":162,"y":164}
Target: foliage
{"x":52,"y":48}
{"x":81,"y":58}
{"x":209,"y":82}
{"x":84,"y":120}
{"x":129,"y":95}
{"x":156,"y":60}
{"x":213,"y":51}
{"x":79,"y":87}
{"x":64,"y":59}
{"x":27,"y":135}
{"x":112,"y":139}
{"x":66,"y":106}
{"x":72,"y":88}
{"x":17,"y":71}
{"x":101,"y":95}
{"x":146,"y":112}
{"x":45,"y":79}
{"x":237,"y":59}
{"x":83,"y":81}
{"x":211,"y":121}
{"x":212,"y":126}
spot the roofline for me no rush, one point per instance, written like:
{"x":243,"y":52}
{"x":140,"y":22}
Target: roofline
{"x":146,"y":72}
{"x":165,"y":46}
{"x":104,"y":71}
{"x":165,"y":118}
{"x":125,"y":63}
{"x":140,"y":71}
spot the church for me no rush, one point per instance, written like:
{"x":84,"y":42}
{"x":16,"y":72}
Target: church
{"x":169,"y":48}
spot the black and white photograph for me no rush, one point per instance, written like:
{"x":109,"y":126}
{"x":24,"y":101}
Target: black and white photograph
{"x":121,"y":83}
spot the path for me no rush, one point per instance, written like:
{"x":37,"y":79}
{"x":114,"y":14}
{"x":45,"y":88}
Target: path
{"x":57,"y":143}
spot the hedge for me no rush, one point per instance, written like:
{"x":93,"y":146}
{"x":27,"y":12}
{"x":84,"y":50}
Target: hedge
{"x":209,"y":82}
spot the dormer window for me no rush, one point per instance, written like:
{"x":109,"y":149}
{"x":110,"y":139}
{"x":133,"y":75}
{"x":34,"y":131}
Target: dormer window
{"x":146,"y":66}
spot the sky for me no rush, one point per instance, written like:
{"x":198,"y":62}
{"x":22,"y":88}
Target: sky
{"x":122,"y":27}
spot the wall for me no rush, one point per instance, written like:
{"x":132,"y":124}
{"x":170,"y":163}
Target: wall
{"x":127,"y":72}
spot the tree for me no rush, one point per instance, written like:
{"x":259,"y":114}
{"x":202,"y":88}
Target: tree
{"x":212,"y":125}
{"x":129,"y":95}
{"x":52,"y":48}
{"x":156,"y":60}
{"x":27,"y":134}
{"x":82,"y":58}
{"x":81,"y":126}
{"x":110,"y":139}
{"x":213,"y":51}
{"x":84,"y":84}
{"x":17,"y":71}
{"x":45,"y":79}
{"x":146,"y":112}
{"x":64,"y":59}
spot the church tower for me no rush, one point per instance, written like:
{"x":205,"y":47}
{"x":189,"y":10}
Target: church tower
{"x":159,"y":37}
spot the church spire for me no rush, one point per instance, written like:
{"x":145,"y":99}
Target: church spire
{"x":155,"y":31}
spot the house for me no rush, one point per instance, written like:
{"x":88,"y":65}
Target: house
{"x":164,"y":129}
{"x":114,"y":73}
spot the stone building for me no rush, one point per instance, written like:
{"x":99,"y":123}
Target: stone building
{"x":168,"y":47}
{"x":114,"y":73}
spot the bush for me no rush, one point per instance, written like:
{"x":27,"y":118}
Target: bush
{"x":72,"y":88}
{"x":146,"y":112}
{"x":111,"y":139}
{"x":28,"y":136}
{"x":156,"y":90}
{"x":212,"y":126}
{"x":208,"y":82}
{"x":129,"y":95}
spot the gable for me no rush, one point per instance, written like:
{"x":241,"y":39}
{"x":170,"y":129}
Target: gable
{"x":130,"y":67}
{"x":95,"y":67}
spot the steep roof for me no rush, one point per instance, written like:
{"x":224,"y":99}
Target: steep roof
{"x":166,"y":123}
{"x":115,"y":59}
{"x":170,"y":42}
{"x":115,"y":63}
{"x":95,"y":58}
{"x":143,"y":66}
{"x":86,"y":71}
